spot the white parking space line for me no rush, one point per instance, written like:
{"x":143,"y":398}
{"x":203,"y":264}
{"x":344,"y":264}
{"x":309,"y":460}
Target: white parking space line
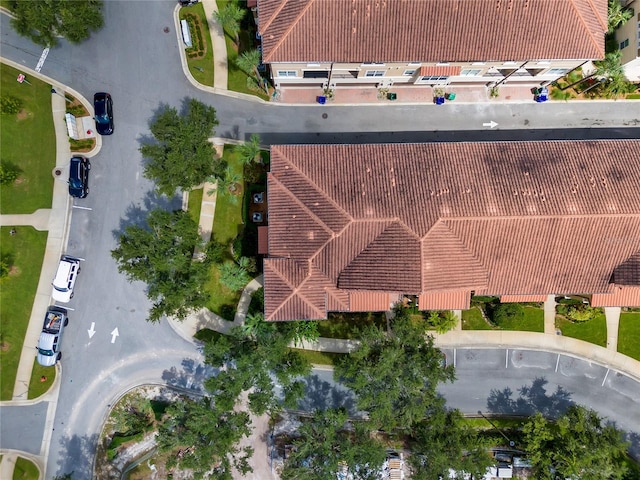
{"x":43,"y":57}
{"x":605,"y":377}
{"x":557,"y":363}
{"x":454,"y":357}
{"x":506,"y":359}
{"x":81,"y":208}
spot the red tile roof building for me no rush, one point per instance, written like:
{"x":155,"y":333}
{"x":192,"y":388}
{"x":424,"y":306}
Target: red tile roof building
{"x":428,"y":41}
{"x":356,"y":227}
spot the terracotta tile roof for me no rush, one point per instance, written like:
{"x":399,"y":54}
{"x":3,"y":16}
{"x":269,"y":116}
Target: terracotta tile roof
{"x":523,"y":298}
{"x":431,"y":30}
{"x":620,"y":295}
{"x":500,"y":218}
{"x":263,"y":240}
{"x":440,"y":71}
{"x":371,"y":301}
{"x":458,"y":300}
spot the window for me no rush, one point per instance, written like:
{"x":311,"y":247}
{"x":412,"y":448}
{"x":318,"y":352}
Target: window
{"x":557,"y":71}
{"x":414,"y":64}
{"x":434,"y":78}
{"x":442,"y":64}
{"x":313,"y":64}
{"x":409,"y":72}
{"x":469,"y":72}
{"x":509,"y":63}
{"x":287,"y":73}
{"x":315,"y":74}
{"x":374,"y":73}
{"x":624,"y":43}
{"x":373,"y":63}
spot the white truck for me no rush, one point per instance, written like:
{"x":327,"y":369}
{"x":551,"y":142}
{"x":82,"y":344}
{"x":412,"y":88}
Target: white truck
{"x":49,"y":343}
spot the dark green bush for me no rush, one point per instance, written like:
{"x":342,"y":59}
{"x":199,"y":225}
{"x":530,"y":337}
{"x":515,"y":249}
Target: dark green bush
{"x":9,"y":173}
{"x":505,"y":312}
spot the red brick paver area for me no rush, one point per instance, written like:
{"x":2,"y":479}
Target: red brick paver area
{"x":405,"y":94}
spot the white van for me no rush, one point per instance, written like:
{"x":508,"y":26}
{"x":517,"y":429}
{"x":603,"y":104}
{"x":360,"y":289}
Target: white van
{"x":65,"y":279}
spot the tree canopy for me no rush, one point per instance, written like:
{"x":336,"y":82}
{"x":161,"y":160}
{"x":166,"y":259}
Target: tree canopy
{"x":162,"y":256}
{"x":328,"y":445}
{"x":229,"y":18}
{"x":443,"y":441}
{"x":44,"y":21}
{"x":253,"y":359}
{"x":579,"y":444}
{"x":182,"y":156}
{"x":394,"y":375}
{"x":207,"y":436}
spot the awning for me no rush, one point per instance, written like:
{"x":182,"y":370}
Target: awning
{"x":440,"y":71}
{"x":523,"y":298}
{"x":457,"y":300}
{"x":621,"y":296}
{"x":371,"y":301}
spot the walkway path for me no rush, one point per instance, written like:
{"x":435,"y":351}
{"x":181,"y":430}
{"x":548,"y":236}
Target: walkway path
{"x":220,"y":70}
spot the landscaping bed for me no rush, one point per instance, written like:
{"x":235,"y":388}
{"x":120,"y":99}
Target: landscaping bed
{"x":200,"y":57}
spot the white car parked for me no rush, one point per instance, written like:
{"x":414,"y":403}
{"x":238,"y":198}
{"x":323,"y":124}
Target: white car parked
{"x":65,"y":279}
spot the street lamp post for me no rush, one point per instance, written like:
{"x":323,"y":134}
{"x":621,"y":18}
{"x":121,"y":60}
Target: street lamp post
{"x":511,"y":442}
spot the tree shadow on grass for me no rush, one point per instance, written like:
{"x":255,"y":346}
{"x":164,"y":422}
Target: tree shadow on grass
{"x":530,"y":399}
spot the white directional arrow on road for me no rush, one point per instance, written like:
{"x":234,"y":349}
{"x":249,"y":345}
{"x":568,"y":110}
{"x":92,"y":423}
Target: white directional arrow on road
{"x":114,"y":334}
{"x":92,"y":331}
{"x":490,"y":124}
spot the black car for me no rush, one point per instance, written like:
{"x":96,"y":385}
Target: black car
{"x":103,"y":106}
{"x":79,"y":177}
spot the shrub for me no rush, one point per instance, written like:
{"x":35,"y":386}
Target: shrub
{"x":442,"y":321}
{"x":505,"y":312}
{"x":9,"y":173}
{"x":10,"y":105}
{"x":581,"y":313}
{"x":217,"y":252}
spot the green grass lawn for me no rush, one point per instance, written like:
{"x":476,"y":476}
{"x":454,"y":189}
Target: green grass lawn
{"x":38,"y":387}
{"x":319,"y":358}
{"x":28,"y":142}
{"x":25,"y":470}
{"x":629,"y":335}
{"x":25,"y":251}
{"x":237,"y":79}
{"x":195,"y":203}
{"x":472,"y":319}
{"x":593,"y":331}
{"x":227,"y":225}
{"x":533,"y":321}
{"x":201,"y":68}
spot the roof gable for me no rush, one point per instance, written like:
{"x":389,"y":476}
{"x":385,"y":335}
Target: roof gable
{"x":411,"y":31}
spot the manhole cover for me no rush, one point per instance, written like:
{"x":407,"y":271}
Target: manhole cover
{"x":166,"y":30}
{"x":325,"y":116}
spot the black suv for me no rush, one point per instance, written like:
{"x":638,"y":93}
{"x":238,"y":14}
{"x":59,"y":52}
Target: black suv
{"x":103,"y":107}
{"x":79,"y":177}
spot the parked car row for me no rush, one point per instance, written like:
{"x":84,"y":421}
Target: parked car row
{"x":79,"y":166}
{"x":56,"y":318}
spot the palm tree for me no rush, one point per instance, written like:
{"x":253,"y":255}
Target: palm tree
{"x":229,"y":18}
{"x":617,"y":15}
{"x":249,"y":150}
{"x":248,"y":62}
{"x":256,"y":327}
{"x":227,"y":185}
{"x":612,"y":76}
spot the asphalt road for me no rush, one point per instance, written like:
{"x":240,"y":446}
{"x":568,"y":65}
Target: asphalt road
{"x":135,"y":59}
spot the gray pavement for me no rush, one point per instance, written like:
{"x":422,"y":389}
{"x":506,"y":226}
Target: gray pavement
{"x":141,"y":79}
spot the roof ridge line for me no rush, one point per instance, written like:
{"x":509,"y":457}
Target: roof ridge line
{"x":538,"y":217}
{"x":291,"y":25}
{"x":274,"y":15}
{"x":586,"y":27}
